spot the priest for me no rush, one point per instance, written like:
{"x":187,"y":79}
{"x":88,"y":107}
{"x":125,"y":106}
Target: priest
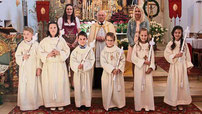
{"x":98,"y":31}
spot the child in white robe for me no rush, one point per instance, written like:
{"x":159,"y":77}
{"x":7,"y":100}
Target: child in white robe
{"x":113,"y":89}
{"x":143,"y":80}
{"x":29,"y":88}
{"x":177,"y":90}
{"x":82,"y":61}
{"x":53,"y":52}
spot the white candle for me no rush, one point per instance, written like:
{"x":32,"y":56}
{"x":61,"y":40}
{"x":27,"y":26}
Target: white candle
{"x":93,"y":10}
{"x":83,"y":10}
{"x":87,"y":11}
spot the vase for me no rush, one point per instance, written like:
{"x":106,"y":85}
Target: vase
{"x":118,"y":30}
{"x":124,"y":30}
{"x":1,"y":100}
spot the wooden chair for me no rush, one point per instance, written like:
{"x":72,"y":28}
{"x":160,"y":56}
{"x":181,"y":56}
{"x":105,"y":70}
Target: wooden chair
{"x":198,"y":52}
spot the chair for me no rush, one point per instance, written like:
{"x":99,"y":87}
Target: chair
{"x":198,"y":52}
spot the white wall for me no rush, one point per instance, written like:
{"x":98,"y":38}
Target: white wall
{"x":10,"y":11}
{"x":188,"y":15}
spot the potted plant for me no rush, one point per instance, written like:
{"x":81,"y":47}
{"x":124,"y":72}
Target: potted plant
{"x":123,"y":43}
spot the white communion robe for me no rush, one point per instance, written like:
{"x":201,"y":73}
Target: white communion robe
{"x":55,"y":80}
{"x":113,"y":91}
{"x":29,"y":88}
{"x":143,"y":83}
{"x":82,"y":78}
{"x":177,"y":90}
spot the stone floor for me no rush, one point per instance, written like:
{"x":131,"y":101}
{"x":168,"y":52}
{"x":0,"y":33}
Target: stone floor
{"x":160,"y":77}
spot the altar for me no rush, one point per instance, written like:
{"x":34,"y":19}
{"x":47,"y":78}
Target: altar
{"x":196,"y":43}
{"x":196,"y":50}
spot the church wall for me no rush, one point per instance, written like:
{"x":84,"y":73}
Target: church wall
{"x":163,"y":18}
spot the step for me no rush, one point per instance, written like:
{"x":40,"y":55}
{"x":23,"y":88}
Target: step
{"x":159,"y":89}
{"x":13,"y":98}
{"x":164,"y":78}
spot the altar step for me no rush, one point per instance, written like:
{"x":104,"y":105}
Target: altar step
{"x":164,"y":78}
{"x":159,"y":89}
{"x":13,"y":98}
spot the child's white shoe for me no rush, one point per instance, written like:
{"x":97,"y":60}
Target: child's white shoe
{"x":180,"y":108}
{"x":174,"y":108}
{"x":60,"y":108}
{"x":146,"y":109}
{"x":52,"y":109}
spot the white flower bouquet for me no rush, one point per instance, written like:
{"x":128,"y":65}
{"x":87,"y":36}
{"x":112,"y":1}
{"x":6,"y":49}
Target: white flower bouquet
{"x":123,"y":43}
{"x":85,"y":26}
{"x":157,"y":31}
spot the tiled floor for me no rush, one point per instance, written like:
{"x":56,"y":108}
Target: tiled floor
{"x":7,"y":107}
{"x":199,"y":105}
{"x":159,"y":87}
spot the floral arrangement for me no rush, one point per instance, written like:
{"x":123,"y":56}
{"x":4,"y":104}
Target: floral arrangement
{"x":123,"y":43}
{"x":121,"y":26}
{"x":85,"y":25}
{"x":157,"y":31}
{"x":120,"y":20}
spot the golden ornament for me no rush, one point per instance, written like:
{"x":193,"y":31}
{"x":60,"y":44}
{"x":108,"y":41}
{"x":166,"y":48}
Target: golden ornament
{"x":175,"y":7}
{"x":17,"y":2}
{"x":112,"y":57}
{"x":13,"y":46}
{"x":3,"y":47}
{"x":43,"y":11}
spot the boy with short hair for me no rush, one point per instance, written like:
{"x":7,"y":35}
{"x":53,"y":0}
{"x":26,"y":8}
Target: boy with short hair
{"x":29,"y":88}
{"x":81,"y":61}
{"x":113,"y":89}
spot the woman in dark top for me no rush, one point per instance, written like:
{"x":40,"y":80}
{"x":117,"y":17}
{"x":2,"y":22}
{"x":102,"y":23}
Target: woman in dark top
{"x":71,"y":26}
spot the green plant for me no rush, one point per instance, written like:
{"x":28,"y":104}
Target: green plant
{"x":124,"y":29}
{"x":123,"y":43}
{"x":121,"y":27}
{"x":85,"y":25}
{"x":157,"y":31}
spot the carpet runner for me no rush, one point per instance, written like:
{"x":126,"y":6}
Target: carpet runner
{"x":160,"y":108}
{"x":161,"y":61}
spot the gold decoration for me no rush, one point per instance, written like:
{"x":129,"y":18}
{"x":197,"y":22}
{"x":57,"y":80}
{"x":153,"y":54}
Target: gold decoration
{"x":112,"y":57}
{"x":13,"y":46}
{"x":17,"y":2}
{"x":59,"y":3}
{"x":175,"y":7}
{"x":162,"y":5}
{"x":145,"y":57}
{"x":118,"y":7}
{"x":43,"y":11}
{"x":3,"y":47}
{"x":15,"y":81}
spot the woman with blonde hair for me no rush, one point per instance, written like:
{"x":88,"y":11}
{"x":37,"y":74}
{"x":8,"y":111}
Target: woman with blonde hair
{"x":134,"y":25}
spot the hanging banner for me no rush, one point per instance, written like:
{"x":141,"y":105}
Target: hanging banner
{"x":42,"y":10}
{"x":175,"y":8}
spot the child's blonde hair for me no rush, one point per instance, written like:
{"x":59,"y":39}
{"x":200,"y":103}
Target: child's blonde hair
{"x":29,"y":29}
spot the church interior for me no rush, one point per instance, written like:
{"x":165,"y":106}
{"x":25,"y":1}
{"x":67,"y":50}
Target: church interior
{"x":162,"y":16}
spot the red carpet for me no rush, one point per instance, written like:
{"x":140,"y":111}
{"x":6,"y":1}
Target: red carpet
{"x":161,"y":61}
{"x":160,"y":108}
